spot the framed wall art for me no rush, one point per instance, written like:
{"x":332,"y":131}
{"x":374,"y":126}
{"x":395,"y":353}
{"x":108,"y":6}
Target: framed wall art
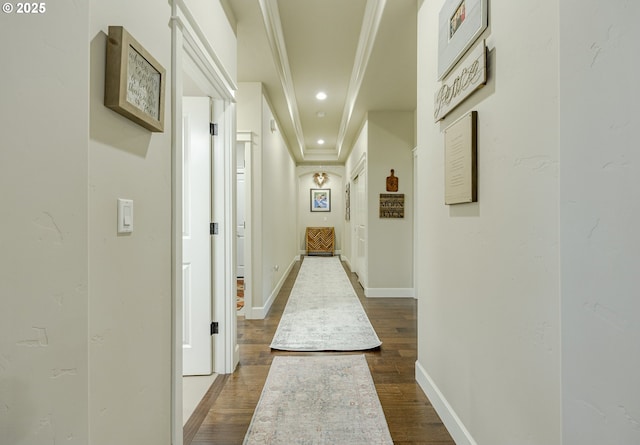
{"x":391,"y":205}
{"x":347,"y":202}
{"x":134,"y":81}
{"x":460,"y":157}
{"x":460,"y":24}
{"x":320,"y":200}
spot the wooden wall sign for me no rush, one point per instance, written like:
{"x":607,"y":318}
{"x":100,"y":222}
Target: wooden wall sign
{"x":134,"y":81}
{"x":469,"y":76}
{"x":391,"y":205}
{"x":460,"y":158}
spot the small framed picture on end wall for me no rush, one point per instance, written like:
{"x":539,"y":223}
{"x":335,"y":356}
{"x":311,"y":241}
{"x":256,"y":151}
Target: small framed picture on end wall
{"x":320,"y":200}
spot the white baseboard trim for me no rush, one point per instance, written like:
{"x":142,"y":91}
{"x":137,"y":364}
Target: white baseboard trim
{"x":452,"y":422}
{"x":258,"y":313}
{"x":335,"y":252}
{"x":379,"y":292}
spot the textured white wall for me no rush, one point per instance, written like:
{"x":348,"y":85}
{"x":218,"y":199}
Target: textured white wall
{"x":43,"y":241}
{"x":129,"y":275}
{"x":489,"y":288}
{"x":600,"y":209}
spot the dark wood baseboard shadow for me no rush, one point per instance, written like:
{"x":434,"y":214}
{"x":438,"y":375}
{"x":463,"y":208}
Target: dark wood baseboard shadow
{"x":193,"y":424}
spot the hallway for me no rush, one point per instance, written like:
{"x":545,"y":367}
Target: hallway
{"x":224,"y":415}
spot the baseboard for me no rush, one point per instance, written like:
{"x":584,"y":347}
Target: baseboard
{"x":379,"y":292}
{"x":452,"y":422}
{"x":258,"y":313}
{"x":337,"y":252}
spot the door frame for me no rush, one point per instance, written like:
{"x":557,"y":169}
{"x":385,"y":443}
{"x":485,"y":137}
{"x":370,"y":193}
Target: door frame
{"x":357,"y":173}
{"x":191,"y":51}
{"x":246,"y":138}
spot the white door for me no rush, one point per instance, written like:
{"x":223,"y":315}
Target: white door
{"x":240,"y":211}
{"x":196,"y":242}
{"x":360,"y":227}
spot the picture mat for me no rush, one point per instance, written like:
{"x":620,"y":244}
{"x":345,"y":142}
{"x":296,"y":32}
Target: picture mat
{"x":450,"y":50}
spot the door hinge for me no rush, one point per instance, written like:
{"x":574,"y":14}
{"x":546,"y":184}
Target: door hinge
{"x":213,"y":228}
{"x":214,"y":328}
{"x":213,"y":129}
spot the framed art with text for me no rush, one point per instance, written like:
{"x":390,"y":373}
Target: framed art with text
{"x":134,"y":81}
{"x":460,"y":24}
{"x":460,"y":159}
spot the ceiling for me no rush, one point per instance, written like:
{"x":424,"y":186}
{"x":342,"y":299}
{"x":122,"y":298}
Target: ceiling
{"x":361,"y":53}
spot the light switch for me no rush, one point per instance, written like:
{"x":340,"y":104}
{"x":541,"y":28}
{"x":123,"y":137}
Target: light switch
{"x":125,"y":215}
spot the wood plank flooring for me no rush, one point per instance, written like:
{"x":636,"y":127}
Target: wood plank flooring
{"x":410,"y":416}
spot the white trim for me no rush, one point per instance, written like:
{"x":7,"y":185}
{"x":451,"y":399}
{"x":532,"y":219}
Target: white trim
{"x":189,"y":47}
{"x":177,"y":435}
{"x":380,"y":292}
{"x":452,"y":422}
{"x":336,"y":252}
{"x":346,"y":260}
{"x":275,"y":35}
{"x":198,"y":47}
{"x":223,"y":211}
{"x":368,"y":32}
{"x":246,"y":138}
{"x":262,"y":311}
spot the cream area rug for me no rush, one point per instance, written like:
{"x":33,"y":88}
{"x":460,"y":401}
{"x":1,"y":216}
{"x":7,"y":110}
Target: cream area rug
{"x":323,"y":312}
{"x":328,"y":400}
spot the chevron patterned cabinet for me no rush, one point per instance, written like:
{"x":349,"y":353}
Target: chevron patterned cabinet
{"x":320,"y":240}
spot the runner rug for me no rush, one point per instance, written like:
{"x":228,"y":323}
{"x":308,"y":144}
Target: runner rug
{"x":323,"y":312}
{"x":319,"y":400}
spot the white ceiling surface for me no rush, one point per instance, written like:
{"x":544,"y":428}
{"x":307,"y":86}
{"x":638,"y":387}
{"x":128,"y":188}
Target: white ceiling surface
{"x":362,"y":53}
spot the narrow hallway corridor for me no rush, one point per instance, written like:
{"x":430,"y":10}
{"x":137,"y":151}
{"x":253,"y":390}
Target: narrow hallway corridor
{"x":225,"y":413}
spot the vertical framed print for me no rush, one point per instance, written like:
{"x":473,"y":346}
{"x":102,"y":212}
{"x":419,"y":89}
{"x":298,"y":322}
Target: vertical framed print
{"x":320,"y":200}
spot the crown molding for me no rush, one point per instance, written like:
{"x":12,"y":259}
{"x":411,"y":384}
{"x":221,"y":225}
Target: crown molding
{"x":275,"y":36}
{"x":368,"y":32}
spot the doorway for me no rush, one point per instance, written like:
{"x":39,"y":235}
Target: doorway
{"x":197,"y":345}
{"x":244,"y":221}
{"x":197,"y":71}
{"x":359,"y":217}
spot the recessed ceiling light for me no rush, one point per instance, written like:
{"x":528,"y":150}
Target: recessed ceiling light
{"x":321,"y":95}
{"x":321,"y":114}
{"x":320,"y":141}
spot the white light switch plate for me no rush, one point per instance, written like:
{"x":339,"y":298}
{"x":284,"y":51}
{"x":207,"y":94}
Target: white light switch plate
{"x":125,"y":215}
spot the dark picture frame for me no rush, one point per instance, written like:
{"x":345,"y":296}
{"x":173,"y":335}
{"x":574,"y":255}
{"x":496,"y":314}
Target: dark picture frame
{"x":320,"y":200}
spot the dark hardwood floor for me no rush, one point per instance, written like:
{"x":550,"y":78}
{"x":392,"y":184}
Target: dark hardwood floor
{"x":233,"y":398}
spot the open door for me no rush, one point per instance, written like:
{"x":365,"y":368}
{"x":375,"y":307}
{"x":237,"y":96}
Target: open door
{"x":197,"y":344}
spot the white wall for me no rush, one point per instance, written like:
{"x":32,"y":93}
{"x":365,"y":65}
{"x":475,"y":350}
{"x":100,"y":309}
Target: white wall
{"x":385,"y":142}
{"x":600,"y":209}
{"x":273,"y":196}
{"x":307,"y":218}
{"x":390,"y":248}
{"x":43,"y":241}
{"x":217,"y":32}
{"x":279,"y":209}
{"x":129,"y":275}
{"x":488,"y":310}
